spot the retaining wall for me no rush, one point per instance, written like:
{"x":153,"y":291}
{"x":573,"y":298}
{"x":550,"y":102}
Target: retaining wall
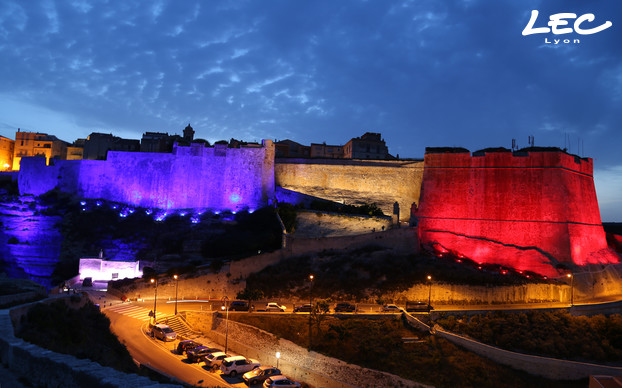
{"x":549,"y":368}
{"x":295,"y":362}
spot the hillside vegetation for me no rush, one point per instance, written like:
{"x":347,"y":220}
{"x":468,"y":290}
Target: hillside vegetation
{"x":81,"y":332}
{"x":370,"y":272}
{"x":377,"y":344}
{"x":554,"y":334}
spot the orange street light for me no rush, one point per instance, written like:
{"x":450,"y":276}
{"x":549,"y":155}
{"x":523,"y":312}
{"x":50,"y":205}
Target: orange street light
{"x":155,"y":299}
{"x":429,"y":291}
{"x":176,"y":287}
{"x":571,"y":289}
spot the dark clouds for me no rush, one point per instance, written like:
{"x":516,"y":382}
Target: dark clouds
{"x":424,"y":73}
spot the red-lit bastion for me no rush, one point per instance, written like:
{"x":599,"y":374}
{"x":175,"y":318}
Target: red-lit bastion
{"x":532,"y":210}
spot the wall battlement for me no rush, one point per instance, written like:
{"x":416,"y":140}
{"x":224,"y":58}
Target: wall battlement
{"x":518,"y":159}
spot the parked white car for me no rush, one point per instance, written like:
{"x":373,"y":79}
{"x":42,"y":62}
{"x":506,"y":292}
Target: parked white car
{"x":213,"y":360}
{"x":233,"y":366}
{"x":273,"y":306}
{"x":280,"y":381}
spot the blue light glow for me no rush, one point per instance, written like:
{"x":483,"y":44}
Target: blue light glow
{"x":148,"y":212}
{"x":82,"y":203}
{"x":98,"y":203}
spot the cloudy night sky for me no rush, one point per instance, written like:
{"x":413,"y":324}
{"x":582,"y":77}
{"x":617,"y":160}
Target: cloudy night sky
{"x":422,"y":73}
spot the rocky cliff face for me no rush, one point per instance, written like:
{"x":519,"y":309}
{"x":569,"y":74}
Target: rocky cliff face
{"x":29,"y":242}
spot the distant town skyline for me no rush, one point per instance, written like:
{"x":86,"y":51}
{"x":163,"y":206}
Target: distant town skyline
{"x":421,"y":73}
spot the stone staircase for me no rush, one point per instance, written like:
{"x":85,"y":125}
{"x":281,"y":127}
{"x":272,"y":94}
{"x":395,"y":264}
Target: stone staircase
{"x":179,"y":326}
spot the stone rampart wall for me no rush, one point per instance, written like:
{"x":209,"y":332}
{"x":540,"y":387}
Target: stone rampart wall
{"x":296,"y":362}
{"x":354,"y":181}
{"x":228,"y":178}
{"x":529,"y":211}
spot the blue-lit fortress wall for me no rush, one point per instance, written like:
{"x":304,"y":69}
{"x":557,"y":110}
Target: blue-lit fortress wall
{"x":190,"y":177}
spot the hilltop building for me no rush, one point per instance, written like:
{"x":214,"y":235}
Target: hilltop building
{"x":156,"y":142}
{"x":37,"y":144}
{"x":188,"y":134}
{"x":97,"y":145}
{"x":369,"y":146}
{"x":6,"y":153}
{"x":290,"y":149}
{"x":326,"y":151}
{"x":76,"y":150}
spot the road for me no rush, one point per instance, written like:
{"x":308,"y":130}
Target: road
{"x":132,"y":332}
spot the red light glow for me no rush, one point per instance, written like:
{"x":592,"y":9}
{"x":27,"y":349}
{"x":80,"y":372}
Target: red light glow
{"x":531,"y":212}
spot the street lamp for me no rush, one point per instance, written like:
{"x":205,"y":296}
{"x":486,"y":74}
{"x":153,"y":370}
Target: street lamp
{"x":571,"y":289}
{"x":155,"y":299}
{"x":429,"y":291}
{"x":311,"y":304}
{"x":226,"y":307}
{"x":278,"y":355}
{"x":176,"y":287}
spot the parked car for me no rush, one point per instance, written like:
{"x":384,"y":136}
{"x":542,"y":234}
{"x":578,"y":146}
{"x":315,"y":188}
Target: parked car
{"x":198,"y":353}
{"x":258,"y":375}
{"x":280,"y":382}
{"x":233,"y":366}
{"x":344,"y":308}
{"x":213,"y":360}
{"x":186,"y":345}
{"x":391,"y":308}
{"x":239,"y":305}
{"x":305,"y":308}
{"x":414,"y":307}
{"x":272,"y":306}
{"x":163,"y":332}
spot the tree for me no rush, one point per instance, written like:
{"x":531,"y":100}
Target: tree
{"x":250,"y":294}
{"x":321,"y":308}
